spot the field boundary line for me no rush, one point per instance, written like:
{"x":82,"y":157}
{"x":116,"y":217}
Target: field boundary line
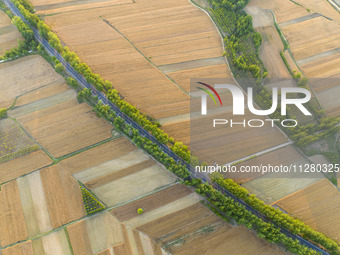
{"x":74,"y":153}
{"x":294,"y":193}
{"x":141,"y":53}
{"x":86,"y":9}
{"x":260,"y":153}
{"x":24,"y":129}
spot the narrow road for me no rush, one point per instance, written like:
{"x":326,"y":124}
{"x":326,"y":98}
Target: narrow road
{"x":82,"y":81}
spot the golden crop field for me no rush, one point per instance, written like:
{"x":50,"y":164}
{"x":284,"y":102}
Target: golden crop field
{"x":312,"y":30}
{"x":150,"y":50}
{"x":13,"y":84}
{"x":272,"y":187}
{"x":317,"y":205}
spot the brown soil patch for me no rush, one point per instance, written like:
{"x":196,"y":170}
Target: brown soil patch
{"x":47,"y":91}
{"x":79,"y":238}
{"x":129,"y":211}
{"x":120,"y":174}
{"x":12,"y":222}
{"x":17,"y":167}
{"x":98,"y":155}
{"x":317,"y":205}
{"x":63,"y":196}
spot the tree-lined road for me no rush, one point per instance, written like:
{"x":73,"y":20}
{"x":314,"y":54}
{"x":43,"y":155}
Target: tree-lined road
{"x":82,"y":81}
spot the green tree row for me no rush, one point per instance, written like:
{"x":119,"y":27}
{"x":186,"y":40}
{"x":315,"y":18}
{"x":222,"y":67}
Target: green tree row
{"x":276,"y":215}
{"x":231,"y":209}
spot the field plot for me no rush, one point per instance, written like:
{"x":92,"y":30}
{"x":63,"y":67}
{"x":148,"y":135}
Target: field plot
{"x":326,"y":83}
{"x":285,"y":156}
{"x":23,"y":165}
{"x":305,"y":43}
{"x":317,"y":205}
{"x":227,"y":144}
{"x":195,"y":229}
{"x":77,"y":124}
{"x":13,"y":139}
{"x":100,"y":154}
{"x":12,"y":223}
{"x":284,"y":10}
{"x":9,"y":34}
{"x":63,"y":196}
{"x":13,"y":84}
{"x":55,"y":7}
{"x":33,"y":201}
{"x":271,"y":189}
{"x":25,"y":248}
{"x":152,"y":202}
{"x":321,"y":6}
{"x":134,"y":185}
{"x":95,"y":234}
{"x":52,"y":244}
{"x":50,"y":198}
{"x":140,"y":46}
{"x":190,"y":36}
{"x":44,"y":92}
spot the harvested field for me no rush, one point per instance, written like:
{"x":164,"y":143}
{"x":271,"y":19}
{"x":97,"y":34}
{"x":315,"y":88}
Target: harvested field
{"x":46,"y":7}
{"x":326,"y":82}
{"x":166,"y":42}
{"x":227,"y":144}
{"x":320,"y":34}
{"x":12,"y":223}
{"x":94,"y":183}
{"x":163,"y":211}
{"x":79,"y":238}
{"x":286,"y":156}
{"x":13,"y":85}
{"x":44,"y":92}
{"x":134,"y":185}
{"x":196,"y":229}
{"x":54,"y":244}
{"x":150,"y":40}
{"x":100,"y":154}
{"x":320,"y":6}
{"x":179,"y":130}
{"x":63,"y":196}
{"x":270,"y":53}
{"x":116,"y":165}
{"x":95,"y":234}
{"x":42,"y":104}
{"x":317,"y":205}
{"x":20,"y":166}
{"x":33,"y":201}
{"x":152,"y":202}
{"x":271,"y":189}
{"x":284,"y":10}
{"x":19,"y":249}
{"x":9,"y":34}
{"x":76,"y":125}
{"x":13,"y":138}
{"x":104,"y":232}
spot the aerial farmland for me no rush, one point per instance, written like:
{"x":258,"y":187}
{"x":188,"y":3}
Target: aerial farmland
{"x":82,"y":168}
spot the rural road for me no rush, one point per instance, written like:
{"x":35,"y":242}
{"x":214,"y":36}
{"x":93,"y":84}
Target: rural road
{"x":82,"y":81}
